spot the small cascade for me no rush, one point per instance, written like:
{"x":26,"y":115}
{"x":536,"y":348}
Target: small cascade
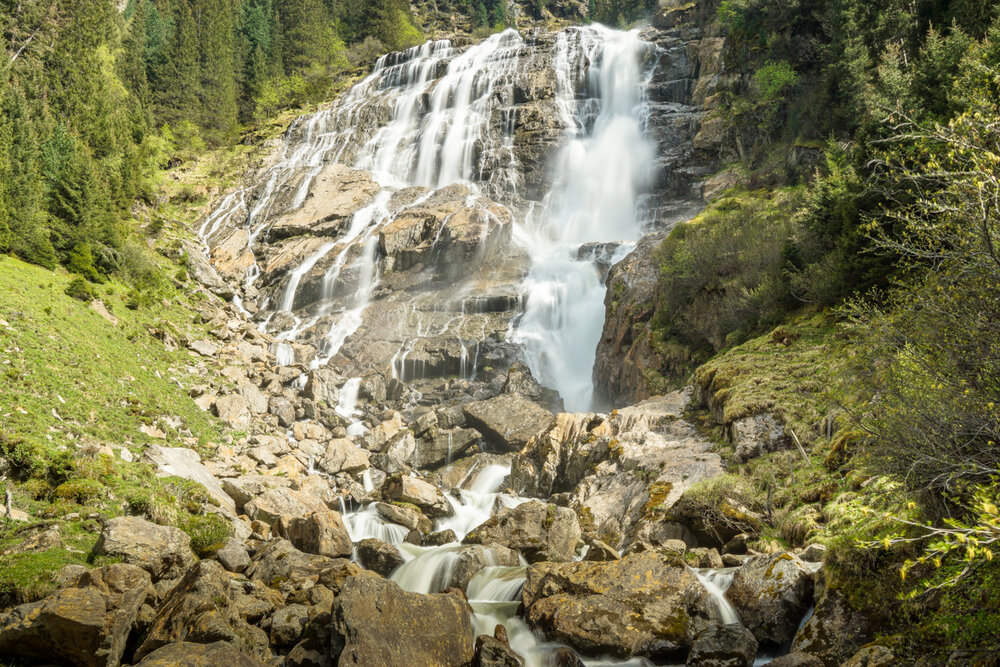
{"x":716,"y":582}
{"x":497,"y":584}
{"x":368,"y":523}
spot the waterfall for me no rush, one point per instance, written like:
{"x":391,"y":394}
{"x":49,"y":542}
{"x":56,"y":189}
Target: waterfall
{"x":434,"y":116}
{"x":600,"y":173}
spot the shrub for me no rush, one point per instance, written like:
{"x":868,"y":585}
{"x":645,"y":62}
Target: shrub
{"x":208,"y":532}
{"x":80,"y":491}
{"x":79,"y":288}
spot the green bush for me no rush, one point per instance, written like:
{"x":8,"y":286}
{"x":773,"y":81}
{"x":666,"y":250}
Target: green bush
{"x":79,"y":288}
{"x":81,"y":491}
{"x":208,"y":533}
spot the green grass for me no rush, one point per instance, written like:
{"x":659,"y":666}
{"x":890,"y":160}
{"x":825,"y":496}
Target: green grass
{"x":70,"y":377}
{"x":793,"y":372}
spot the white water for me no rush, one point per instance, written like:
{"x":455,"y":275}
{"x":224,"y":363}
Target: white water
{"x":599,"y":176}
{"x":716,"y":582}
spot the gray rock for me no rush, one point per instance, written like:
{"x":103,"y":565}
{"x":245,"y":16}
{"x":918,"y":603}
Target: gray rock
{"x":202,"y":270}
{"x":835,"y":631}
{"x":541,"y":532}
{"x":163,"y":551}
{"x":426,"y":496}
{"x":756,"y":435}
{"x":723,"y":646}
{"x":190,"y":654}
{"x":233,"y":556}
{"x":771,"y":593}
{"x":642,"y":605}
{"x":278,"y":561}
{"x":276,"y":503}
{"x":186,"y":464}
{"x":322,"y":533}
{"x":283,"y":409}
{"x":288,"y":623}
{"x":410,"y":517}
{"x":796,"y":659}
{"x":234,"y":410}
{"x":491,"y":652}
{"x":508,"y":421}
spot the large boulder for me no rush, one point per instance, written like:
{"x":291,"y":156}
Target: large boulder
{"x":540,"y":531}
{"x":646,"y":604}
{"x":342,"y":455}
{"x":375,"y":622}
{"x":379,"y":556}
{"x":410,"y":517}
{"x":439,"y":447}
{"x":771,"y":593}
{"x":201,"y":608}
{"x":189,"y":654}
{"x":278,"y":561}
{"x":86,"y":623}
{"x":424,"y":495}
{"x":491,"y":652}
{"x":186,"y":464}
{"x":835,"y":630}
{"x":723,"y":646}
{"x":507,"y":421}
{"x":276,"y":503}
{"x":320,"y":533}
{"x":163,"y":551}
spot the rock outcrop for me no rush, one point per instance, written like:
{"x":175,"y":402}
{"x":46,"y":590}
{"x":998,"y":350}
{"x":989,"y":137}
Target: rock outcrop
{"x":642,"y":605}
{"x":541,"y":532}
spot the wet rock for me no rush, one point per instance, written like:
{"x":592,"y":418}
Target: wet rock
{"x":379,"y":556}
{"x":440,"y":538}
{"x":320,"y":533}
{"x":334,"y":195}
{"x":288,"y":623}
{"x":521,"y":381}
{"x":425,"y":496}
{"x":189,"y":654}
{"x":377,"y":623}
{"x":564,"y":657}
{"x":464,"y":472}
{"x":772,"y":593}
{"x":200,"y":609}
{"x":85,"y":624}
{"x":472,"y":559}
{"x":163,"y":551}
{"x":642,"y":605}
{"x":410,"y":517}
{"x":491,"y":652}
{"x":439,"y":447}
{"x":723,"y":646}
{"x":835,"y":630}
{"x":508,"y":421}
{"x":624,"y":352}
{"x":186,"y":464}
{"x":601,"y":552}
{"x":541,"y":532}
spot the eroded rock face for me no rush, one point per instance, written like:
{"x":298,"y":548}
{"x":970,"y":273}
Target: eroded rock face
{"x":374,"y":622}
{"x":86,"y":623}
{"x":624,"y":472}
{"x":642,"y":605}
{"x":334,"y":195}
{"x":541,"y":532}
{"x":163,"y":551}
{"x":771,"y":593}
{"x":723,"y":646}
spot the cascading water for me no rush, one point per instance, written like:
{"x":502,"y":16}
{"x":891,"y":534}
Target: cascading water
{"x":433,"y":117}
{"x":599,"y":175}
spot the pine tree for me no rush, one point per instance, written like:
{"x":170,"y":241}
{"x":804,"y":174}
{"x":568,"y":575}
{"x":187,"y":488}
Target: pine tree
{"x":177,"y":78}
{"x":216,"y":23}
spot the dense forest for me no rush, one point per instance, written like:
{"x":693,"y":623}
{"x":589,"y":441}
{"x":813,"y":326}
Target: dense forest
{"x":97,"y":101}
